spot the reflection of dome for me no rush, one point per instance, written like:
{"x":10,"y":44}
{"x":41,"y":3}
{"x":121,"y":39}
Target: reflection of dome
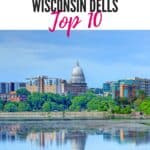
{"x":77,"y":75}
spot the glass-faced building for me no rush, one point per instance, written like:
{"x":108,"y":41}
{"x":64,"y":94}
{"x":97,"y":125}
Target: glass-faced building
{"x":124,"y":88}
{"x":107,"y":87}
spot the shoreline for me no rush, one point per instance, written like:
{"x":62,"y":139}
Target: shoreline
{"x":68,"y":116}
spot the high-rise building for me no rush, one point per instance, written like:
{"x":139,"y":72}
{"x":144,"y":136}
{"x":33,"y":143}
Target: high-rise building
{"x":143,"y":84}
{"x":128,"y":87}
{"x":7,"y":87}
{"x":8,"y":90}
{"x":44,"y":84}
{"x":124,"y":88}
{"x":107,"y":87}
{"x":4,"y":87}
{"x":138,"y":84}
{"x":115,"y":90}
{"x":127,"y":90}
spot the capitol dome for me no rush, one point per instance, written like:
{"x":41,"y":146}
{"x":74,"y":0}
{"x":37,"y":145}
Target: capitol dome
{"x":77,"y":74}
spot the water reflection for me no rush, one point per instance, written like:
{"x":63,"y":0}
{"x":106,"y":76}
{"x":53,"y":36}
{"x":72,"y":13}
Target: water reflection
{"x":62,"y":137}
{"x":76,"y":138}
{"x":127,"y":136}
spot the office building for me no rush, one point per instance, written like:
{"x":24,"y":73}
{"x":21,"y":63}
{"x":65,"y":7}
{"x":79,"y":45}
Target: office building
{"x":143,"y":84}
{"x":124,"y":88}
{"x":8,"y":90}
{"x":107,"y":88}
{"x":44,"y":84}
{"x":7,"y":87}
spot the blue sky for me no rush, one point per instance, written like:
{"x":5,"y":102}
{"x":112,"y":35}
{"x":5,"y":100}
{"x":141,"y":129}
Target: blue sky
{"x":103,"y":55}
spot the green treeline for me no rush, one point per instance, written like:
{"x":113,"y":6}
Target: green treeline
{"x":86,"y":102}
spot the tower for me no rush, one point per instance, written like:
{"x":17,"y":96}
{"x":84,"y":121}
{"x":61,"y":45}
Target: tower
{"x":77,"y":84}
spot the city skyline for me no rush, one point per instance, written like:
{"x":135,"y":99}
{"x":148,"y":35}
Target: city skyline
{"x":109,"y":56}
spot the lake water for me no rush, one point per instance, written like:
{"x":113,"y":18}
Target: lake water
{"x":74,"y":135}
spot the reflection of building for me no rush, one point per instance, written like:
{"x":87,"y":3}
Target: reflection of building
{"x":44,"y":84}
{"x":77,"y":84}
{"x":78,"y":140}
{"x":44,"y":138}
{"x":9,"y":132}
{"x":127,"y":136}
{"x":58,"y":138}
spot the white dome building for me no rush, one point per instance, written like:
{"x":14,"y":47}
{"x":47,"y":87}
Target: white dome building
{"x":77,"y":84}
{"x":77,"y":74}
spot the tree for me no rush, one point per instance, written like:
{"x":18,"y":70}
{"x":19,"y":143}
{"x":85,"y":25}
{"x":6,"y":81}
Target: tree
{"x":78,"y":103}
{"x":1,"y":105}
{"x":36,"y":101}
{"x":137,"y":103}
{"x":116,"y":109}
{"x":94,"y":104}
{"x":125,"y":110}
{"x":122,"y":101}
{"x":104,"y":106}
{"x":66,"y":102}
{"x":58,"y":102}
{"x":23,"y":106}
{"x":46,"y":107}
{"x":141,"y":94}
{"x":145,"y":106}
{"x":23,"y":92}
{"x":60,"y":107}
{"x":101,"y":104}
{"x":10,"y":107}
